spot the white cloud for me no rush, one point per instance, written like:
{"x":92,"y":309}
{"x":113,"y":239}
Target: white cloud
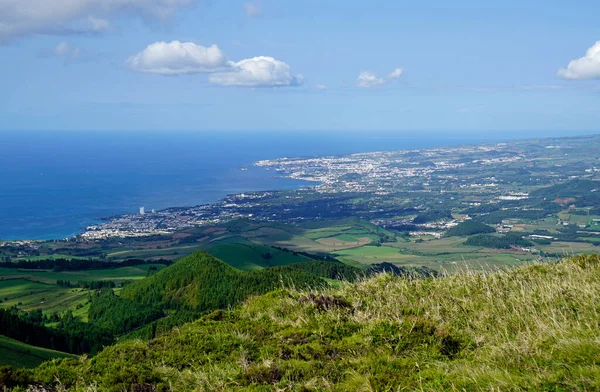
{"x":176,"y":58}
{"x":62,"y":49}
{"x":20,"y":18}
{"x":253,"y":9}
{"x":257,"y":72}
{"x":368,"y":79}
{"x":587,"y":67}
{"x":66,"y":51}
{"x":395,"y":74}
{"x":321,"y":87}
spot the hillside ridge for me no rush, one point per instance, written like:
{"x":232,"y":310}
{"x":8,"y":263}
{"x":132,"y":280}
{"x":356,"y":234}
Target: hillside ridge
{"x":529,"y":328}
{"x":202,"y":282}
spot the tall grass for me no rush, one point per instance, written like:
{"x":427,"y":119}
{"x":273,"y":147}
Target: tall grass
{"x":529,"y":328}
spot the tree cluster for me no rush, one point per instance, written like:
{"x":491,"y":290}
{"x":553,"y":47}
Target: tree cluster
{"x":469,"y":227}
{"x":506,"y":241}
{"x":78,"y":264}
{"x":70,"y":335}
{"x":120,"y":315}
{"x":432,"y":216}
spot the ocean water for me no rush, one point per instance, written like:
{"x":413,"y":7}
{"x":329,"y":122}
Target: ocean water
{"x":53,"y":184}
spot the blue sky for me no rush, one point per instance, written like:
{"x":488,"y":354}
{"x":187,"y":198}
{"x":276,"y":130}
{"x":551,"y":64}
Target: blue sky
{"x":402,"y":66}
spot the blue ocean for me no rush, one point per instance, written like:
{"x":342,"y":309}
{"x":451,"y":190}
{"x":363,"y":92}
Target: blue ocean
{"x":53,"y":184}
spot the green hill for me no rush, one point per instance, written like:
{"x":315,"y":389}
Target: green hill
{"x":432,"y":216}
{"x":200,"y":282}
{"x":469,"y":227}
{"x":530,"y":328}
{"x":251,"y":257}
{"x":18,"y":354}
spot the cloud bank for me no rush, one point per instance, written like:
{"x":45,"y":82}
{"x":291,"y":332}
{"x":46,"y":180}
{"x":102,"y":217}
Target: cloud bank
{"x":21,"y":18}
{"x":179,"y":58}
{"x":367,"y":79}
{"x":176,"y":58}
{"x":258,"y":71}
{"x":587,"y":67}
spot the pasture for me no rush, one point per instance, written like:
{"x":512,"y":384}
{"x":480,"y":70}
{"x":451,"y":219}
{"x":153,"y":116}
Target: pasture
{"x":22,"y":355}
{"x":33,"y":289}
{"x":252,"y":257}
{"x":448,"y":254}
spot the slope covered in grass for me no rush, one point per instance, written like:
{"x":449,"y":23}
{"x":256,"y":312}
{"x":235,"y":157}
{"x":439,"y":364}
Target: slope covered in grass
{"x":531,"y":328}
{"x":201,"y":282}
{"x":18,"y":354}
{"x":252,"y":257}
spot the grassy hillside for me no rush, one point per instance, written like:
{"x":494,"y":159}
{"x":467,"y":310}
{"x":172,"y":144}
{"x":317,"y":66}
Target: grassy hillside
{"x":18,"y":354}
{"x":201,"y":282}
{"x":249,"y":257}
{"x":530,"y":328}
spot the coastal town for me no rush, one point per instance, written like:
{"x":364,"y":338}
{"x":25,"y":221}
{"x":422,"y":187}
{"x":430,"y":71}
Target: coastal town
{"x":378,"y":184}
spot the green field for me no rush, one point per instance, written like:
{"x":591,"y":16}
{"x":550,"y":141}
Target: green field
{"x":326,"y":236}
{"x":22,"y":355}
{"x":252,"y":257}
{"x":329,"y":236}
{"x":33,"y":289}
{"x":381,"y":254}
{"x":569,"y":248}
{"x":443,"y":254}
{"x":169,"y":253}
{"x":325,"y":232}
{"x":348,"y":239}
{"x":49,"y":276}
{"x":29,"y":295}
{"x":373,"y":252}
{"x":51,"y":257}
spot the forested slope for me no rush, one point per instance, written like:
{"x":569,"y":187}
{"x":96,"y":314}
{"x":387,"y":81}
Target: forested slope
{"x":201,"y":282}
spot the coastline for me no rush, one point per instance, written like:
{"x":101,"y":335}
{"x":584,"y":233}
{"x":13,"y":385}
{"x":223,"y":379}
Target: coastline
{"x":376,"y":174}
{"x":240,"y":204}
